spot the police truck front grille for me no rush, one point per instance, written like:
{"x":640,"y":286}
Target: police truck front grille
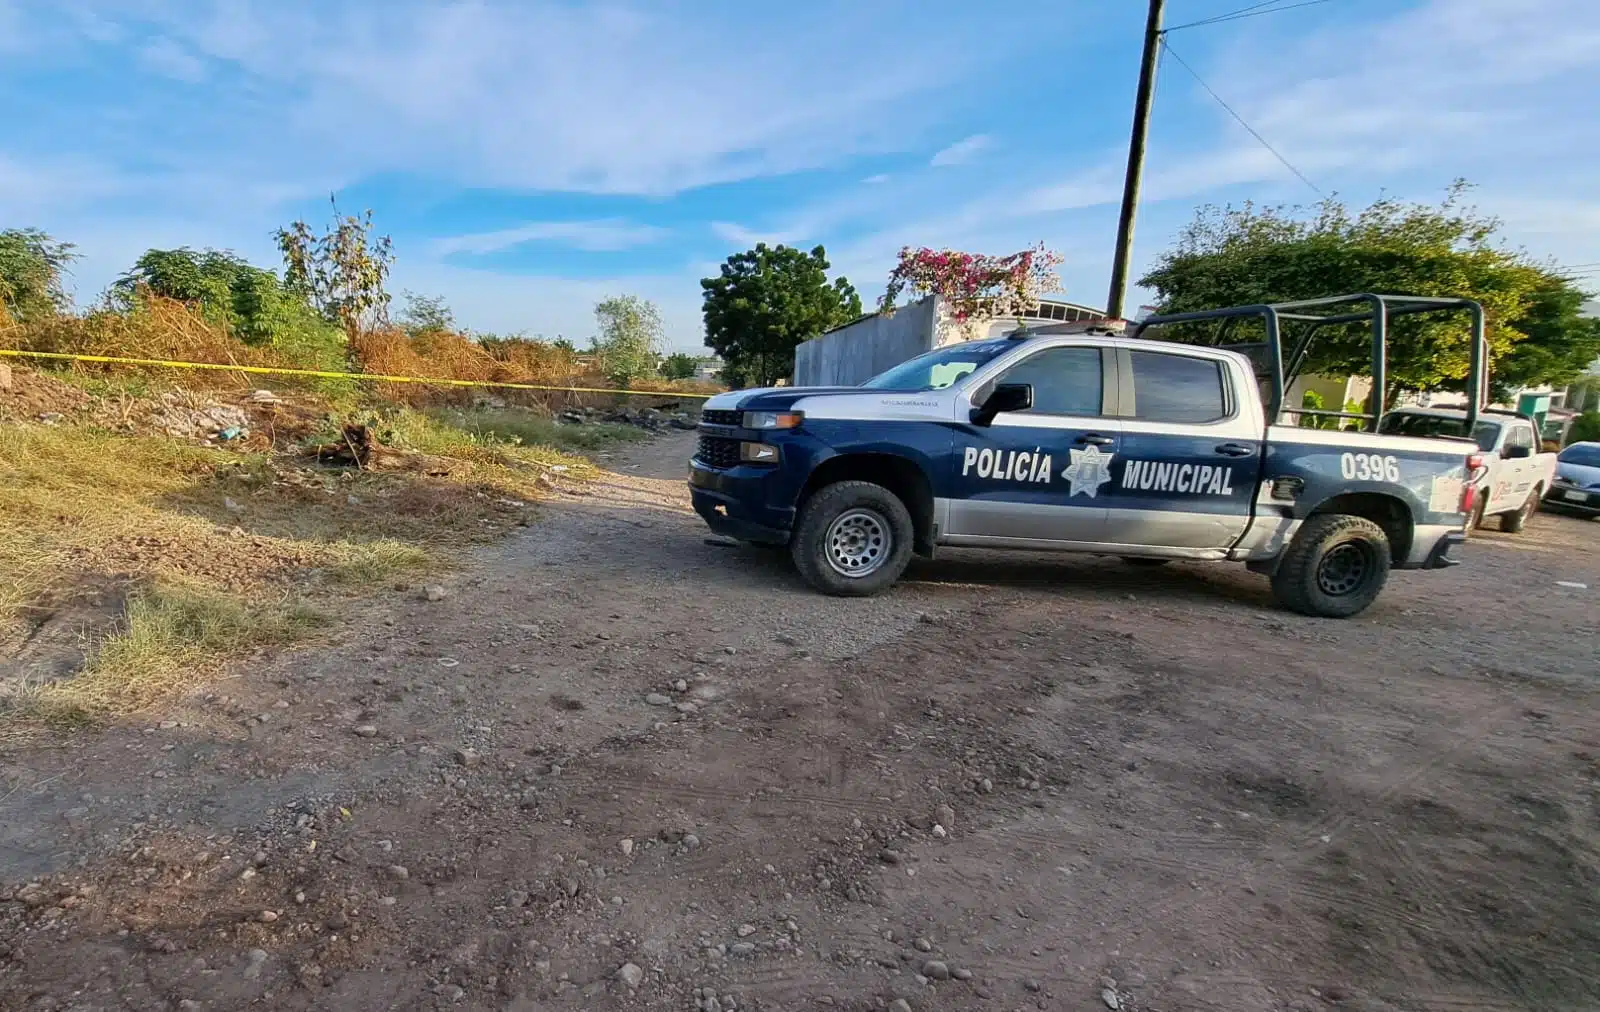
{"x":722,"y":417}
{"x":717,"y":452}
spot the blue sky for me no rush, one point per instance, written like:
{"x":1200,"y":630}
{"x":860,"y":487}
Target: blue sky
{"x":530,"y":158}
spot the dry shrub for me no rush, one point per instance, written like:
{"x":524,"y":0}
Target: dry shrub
{"x":160,"y":329}
{"x":536,"y":362}
{"x":449,"y":355}
{"x":443,"y":355}
{"x":167,"y":330}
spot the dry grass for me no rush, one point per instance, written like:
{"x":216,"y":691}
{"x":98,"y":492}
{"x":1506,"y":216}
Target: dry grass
{"x":161,"y":329}
{"x":172,"y":637}
{"x":219,"y":551}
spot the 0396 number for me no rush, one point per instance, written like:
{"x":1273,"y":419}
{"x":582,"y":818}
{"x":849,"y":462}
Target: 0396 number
{"x":1369,"y":467}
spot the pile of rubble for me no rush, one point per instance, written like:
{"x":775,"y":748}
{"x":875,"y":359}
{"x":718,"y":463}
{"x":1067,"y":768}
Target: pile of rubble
{"x":649,"y":419}
{"x":181,"y":416}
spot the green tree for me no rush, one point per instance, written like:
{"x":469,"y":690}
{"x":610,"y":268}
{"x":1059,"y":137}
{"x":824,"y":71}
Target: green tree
{"x":341,"y":272}
{"x":679,"y":366}
{"x":1561,"y":342}
{"x":32,"y":269}
{"x":765,"y":302}
{"x":1241,"y":256}
{"x":629,"y":339}
{"x":426,"y":314}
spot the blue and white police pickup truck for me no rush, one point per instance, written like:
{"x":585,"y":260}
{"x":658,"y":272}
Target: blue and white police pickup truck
{"x":1088,"y":442}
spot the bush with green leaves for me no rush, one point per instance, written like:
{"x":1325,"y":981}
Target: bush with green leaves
{"x":249,"y":302}
{"x":679,"y":366}
{"x":1585,"y":428}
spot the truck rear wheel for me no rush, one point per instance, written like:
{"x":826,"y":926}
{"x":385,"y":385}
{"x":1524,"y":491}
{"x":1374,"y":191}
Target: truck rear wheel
{"x":853,"y":539}
{"x":1512,"y":523}
{"x":1334,"y":568}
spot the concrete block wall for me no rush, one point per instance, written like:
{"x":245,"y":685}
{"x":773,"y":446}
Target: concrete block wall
{"x":859,"y":351}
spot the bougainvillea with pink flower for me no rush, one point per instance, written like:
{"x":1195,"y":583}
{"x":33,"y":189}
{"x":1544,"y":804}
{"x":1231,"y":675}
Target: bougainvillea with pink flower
{"x":974,"y":285}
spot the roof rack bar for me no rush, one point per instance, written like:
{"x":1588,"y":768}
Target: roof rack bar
{"x":1380,"y":357}
{"x":1477,"y":368}
{"x":1378,"y":311}
{"x":1275,"y":360}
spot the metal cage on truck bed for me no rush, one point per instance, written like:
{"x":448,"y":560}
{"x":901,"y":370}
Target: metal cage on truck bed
{"x":1278,"y":365}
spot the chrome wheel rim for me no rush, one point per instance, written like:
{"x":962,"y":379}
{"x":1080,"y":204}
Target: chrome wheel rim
{"x":858,"y":543}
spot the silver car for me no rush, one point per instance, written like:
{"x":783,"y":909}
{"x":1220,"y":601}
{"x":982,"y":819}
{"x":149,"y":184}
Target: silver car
{"x":1576,"y":487}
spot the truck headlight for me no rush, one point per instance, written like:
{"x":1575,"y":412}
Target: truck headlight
{"x":772,"y":419}
{"x":758,"y":453}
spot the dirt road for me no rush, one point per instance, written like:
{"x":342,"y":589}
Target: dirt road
{"x":619,"y":767}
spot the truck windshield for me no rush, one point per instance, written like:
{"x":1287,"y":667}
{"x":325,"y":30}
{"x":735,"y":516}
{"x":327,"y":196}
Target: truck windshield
{"x":1401,"y":423}
{"x":939,"y":368}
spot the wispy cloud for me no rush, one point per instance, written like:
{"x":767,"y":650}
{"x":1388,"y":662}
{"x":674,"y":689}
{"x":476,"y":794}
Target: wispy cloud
{"x":881,"y":177}
{"x":743,"y":236}
{"x":551,"y":96}
{"x":169,"y":59}
{"x":607,"y":235}
{"x":962,"y":151}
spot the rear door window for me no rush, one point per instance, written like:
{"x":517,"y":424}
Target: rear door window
{"x":1178,"y":388}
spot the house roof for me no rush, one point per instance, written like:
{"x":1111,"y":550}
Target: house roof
{"x":1085,"y":312}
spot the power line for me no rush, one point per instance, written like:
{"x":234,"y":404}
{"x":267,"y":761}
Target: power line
{"x":1253,"y":11}
{"x":1240,"y":119}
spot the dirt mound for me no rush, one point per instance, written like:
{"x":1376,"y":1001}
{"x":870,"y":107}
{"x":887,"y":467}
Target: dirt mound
{"x":27,"y":396}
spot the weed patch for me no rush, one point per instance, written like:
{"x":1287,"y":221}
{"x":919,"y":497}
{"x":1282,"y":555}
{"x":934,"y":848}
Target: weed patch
{"x":173,"y":637}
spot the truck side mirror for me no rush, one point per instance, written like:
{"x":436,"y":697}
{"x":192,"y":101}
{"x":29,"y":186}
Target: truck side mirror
{"x":1006,"y":397}
{"x":1516,"y":452}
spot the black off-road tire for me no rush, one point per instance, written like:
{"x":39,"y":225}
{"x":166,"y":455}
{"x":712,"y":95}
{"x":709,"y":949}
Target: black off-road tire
{"x":1335,"y":567}
{"x":871,"y":504}
{"x":1512,"y":523}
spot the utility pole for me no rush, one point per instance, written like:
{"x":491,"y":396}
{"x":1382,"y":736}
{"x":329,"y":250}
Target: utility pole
{"x":1130,"y":184}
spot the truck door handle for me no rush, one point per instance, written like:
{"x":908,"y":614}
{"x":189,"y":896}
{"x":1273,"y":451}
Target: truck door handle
{"x":1235,"y":450}
{"x":1094,"y":439}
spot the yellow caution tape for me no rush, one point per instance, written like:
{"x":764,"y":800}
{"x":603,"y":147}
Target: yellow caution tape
{"x":319,"y":374}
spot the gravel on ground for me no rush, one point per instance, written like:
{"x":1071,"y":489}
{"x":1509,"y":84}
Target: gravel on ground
{"x":615,"y":763}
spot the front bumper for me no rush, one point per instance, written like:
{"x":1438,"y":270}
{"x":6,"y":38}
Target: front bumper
{"x":1557,"y":499}
{"x":733,"y":502}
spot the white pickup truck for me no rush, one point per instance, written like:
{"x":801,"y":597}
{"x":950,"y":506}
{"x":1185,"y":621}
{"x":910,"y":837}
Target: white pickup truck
{"x":1516,"y":473}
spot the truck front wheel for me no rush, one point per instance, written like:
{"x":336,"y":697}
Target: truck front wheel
{"x":853,"y":539}
{"x":1334,"y":568}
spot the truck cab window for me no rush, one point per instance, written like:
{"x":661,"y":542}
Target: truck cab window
{"x":1066,"y":381}
{"x":1177,"y":388}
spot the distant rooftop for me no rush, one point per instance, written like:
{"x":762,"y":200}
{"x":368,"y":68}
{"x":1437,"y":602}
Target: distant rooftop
{"x":1048,"y":309}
